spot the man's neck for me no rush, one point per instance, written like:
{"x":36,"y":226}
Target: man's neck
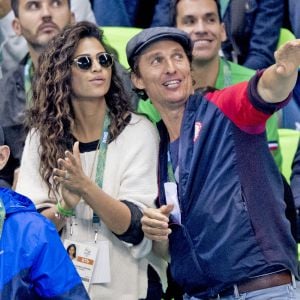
{"x":205,"y":73}
{"x":34,"y":54}
{"x":172,"y":120}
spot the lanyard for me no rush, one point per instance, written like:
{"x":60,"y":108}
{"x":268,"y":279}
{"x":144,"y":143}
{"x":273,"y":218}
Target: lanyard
{"x":102,"y":146}
{"x":171,"y":190}
{"x":101,"y":158}
{"x":28,"y":74}
{"x":102,"y":152}
{"x":171,"y":175}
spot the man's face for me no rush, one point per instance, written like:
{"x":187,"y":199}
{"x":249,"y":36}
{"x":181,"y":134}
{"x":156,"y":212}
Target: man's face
{"x":165,"y":75}
{"x":41,"y":20}
{"x":199,"y":18}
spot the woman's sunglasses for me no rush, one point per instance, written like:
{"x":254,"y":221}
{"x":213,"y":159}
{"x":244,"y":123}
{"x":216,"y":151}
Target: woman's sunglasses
{"x":85,"y":62}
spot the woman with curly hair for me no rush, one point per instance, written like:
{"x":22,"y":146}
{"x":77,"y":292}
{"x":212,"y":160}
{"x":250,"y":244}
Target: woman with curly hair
{"x":90,"y":161}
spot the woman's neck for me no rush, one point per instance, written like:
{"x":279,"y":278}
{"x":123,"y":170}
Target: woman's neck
{"x":89,"y":117}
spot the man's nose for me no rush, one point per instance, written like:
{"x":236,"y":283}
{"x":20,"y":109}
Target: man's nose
{"x":199,"y":27}
{"x":170,"y":66}
{"x":45,"y":10}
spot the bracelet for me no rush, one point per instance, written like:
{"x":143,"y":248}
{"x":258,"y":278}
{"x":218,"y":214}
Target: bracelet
{"x":64,"y":212}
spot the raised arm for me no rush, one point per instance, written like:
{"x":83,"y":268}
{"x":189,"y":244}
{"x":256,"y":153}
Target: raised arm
{"x":278,"y":80}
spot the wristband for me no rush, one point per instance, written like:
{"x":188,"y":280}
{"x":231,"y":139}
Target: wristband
{"x":64,"y":212}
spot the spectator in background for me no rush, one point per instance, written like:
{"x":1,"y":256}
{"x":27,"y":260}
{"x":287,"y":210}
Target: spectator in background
{"x":252,"y":28}
{"x":13,"y":48}
{"x":33,"y":262}
{"x":294,"y":16}
{"x":162,"y":9}
{"x":289,"y":116}
{"x":131,"y":13}
{"x":37,"y":22}
{"x":5,"y":31}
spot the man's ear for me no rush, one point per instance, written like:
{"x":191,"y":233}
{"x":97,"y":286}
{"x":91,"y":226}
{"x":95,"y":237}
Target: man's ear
{"x":73,"y":19}
{"x":137,"y":81}
{"x":4,"y":155}
{"x":17,"y":26}
{"x":223,"y":33}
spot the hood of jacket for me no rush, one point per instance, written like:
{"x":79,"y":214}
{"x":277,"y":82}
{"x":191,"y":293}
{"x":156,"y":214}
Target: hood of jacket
{"x":14,"y":202}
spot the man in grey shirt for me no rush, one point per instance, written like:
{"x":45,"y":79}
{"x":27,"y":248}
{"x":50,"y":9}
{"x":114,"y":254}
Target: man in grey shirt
{"x":13,"y":47}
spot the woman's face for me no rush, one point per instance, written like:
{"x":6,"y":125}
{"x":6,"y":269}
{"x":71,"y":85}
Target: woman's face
{"x":72,"y":251}
{"x":93,"y":82}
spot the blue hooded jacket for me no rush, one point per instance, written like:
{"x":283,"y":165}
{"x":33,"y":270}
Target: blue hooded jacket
{"x":33,"y":261}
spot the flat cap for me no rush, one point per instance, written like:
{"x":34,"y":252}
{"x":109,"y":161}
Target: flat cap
{"x":154,"y":34}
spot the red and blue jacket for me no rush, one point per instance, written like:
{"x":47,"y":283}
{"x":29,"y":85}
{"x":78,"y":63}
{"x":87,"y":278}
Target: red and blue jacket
{"x":233,"y":223}
{"x":33,"y":261}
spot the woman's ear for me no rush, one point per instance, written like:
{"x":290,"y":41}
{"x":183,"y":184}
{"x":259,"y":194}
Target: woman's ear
{"x":4,"y":155}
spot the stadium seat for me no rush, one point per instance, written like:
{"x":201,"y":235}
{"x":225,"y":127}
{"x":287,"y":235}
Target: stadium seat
{"x":285,"y":36}
{"x":118,"y":37}
{"x":288,"y":141}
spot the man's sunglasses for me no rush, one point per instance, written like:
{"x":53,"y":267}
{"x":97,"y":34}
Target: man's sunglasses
{"x":85,"y":62}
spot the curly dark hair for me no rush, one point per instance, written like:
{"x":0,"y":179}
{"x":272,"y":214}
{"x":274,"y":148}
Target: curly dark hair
{"x":51,"y":112}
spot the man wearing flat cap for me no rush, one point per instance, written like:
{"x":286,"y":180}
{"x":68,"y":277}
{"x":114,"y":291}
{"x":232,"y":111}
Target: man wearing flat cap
{"x":222,"y":211}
